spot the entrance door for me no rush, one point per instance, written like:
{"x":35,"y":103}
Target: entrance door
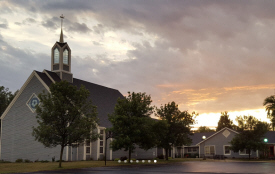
{"x":271,"y":151}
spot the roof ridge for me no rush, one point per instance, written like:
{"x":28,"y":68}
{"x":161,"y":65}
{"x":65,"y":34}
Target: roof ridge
{"x":95,"y":84}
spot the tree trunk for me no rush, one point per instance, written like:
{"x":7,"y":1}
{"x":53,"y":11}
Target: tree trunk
{"x":166,"y":154}
{"x":61,"y":154}
{"x":129,"y":155}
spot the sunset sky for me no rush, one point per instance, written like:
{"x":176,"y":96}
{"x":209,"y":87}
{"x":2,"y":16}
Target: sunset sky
{"x":207,"y":56}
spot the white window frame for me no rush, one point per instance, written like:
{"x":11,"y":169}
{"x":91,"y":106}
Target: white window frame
{"x":192,"y":150}
{"x":103,"y":140}
{"x":209,"y":150}
{"x":66,"y":56}
{"x":33,"y":95}
{"x":224,"y":150}
{"x":56,"y":59}
{"x":245,"y":153}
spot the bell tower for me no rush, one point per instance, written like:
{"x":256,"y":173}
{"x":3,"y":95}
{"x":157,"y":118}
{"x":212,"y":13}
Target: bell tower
{"x":61,"y":58}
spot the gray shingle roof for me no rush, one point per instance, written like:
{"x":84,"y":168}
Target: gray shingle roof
{"x":197,"y":137}
{"x":103,"y":97}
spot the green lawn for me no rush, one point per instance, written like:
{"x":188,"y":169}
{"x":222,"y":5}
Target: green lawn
{"x":38,"y":166}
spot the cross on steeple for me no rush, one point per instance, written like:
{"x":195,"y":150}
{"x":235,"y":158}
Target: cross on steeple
{"x":61,"y":35}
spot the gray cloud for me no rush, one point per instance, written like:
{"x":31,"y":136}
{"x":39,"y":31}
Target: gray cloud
{"x":205,"y":46}
{"x":5,"y":26}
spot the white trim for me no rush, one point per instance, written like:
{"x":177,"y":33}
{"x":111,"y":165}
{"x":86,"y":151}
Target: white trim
{"x":245,"y":153}
{"x":111,"y":151}
{"x":1,"y":122}
{"x":22,"y":89}
{"x":199,"y":151}
{"x":257,"y":153}
{"x":27,"y":103}
{"x":216,"y":134}
{"x":77,"y":153}
{"x":67,"y":153}
{"x":50,"y":77}
{"x":84,"y":151}
{"x":210,"y":150}
{"x":224,"y":150}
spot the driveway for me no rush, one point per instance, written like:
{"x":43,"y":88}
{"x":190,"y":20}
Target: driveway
{"x":184,"y":167}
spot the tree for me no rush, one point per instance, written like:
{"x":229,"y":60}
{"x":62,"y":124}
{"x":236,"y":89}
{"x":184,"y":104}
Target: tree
{"x":250,"y":139}
{"x":65,"y":116}
{"x":246,"y":122}
{"x":132,"y":124}
{"x":204,"y":129}
{"x":175,"y":127}
{"x":269,"y":104}
{"x":6,"y":97}
{"x":225,"y":121}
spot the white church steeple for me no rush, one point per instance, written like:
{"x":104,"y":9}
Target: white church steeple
{"x":61,"y":58}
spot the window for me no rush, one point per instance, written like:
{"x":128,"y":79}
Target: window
{"x":101,"y":143}
{"x":209,"y":150}
{"x":244,"y":152}
{"x":191,"y":149}
{"x":56,"y":55}
{"x":88,"y":147}
{"x":226,"y":150}
{"x":65,"y":57}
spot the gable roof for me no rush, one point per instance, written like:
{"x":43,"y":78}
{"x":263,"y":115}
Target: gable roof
{"x":197,"y":137}
{"x":103,"y":97}
{"x":216,"y":134}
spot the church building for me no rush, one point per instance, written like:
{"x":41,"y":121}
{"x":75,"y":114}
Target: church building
{"x":17,"y":142}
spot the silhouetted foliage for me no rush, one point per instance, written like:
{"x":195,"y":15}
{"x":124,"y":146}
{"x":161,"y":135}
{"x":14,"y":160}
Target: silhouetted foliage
{"x":202,"y":129}
{"x":174,"y":127}
{"x":269,"y":104}
{"x":6,"y":97}
{"x":132,"y":124}
{"x":224,"y":121}
{"x":65,"y":116}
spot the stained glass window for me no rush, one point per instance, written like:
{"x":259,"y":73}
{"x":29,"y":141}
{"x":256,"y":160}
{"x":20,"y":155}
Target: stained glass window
{"x":65,"y":57}
{"x":56,"y":55}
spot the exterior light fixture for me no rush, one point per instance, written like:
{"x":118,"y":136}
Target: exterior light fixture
{"x":265,"y":140}
{"x":203,"y":137}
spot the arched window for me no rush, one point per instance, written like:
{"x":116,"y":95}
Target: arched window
{"x":65,"y":57}
{"x":56,"y":55}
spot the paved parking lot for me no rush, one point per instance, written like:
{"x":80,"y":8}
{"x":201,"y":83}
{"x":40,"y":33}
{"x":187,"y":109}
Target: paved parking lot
{"x":184,"y":167}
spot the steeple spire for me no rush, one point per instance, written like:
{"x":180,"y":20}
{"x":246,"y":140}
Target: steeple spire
{"x":61,"y":34}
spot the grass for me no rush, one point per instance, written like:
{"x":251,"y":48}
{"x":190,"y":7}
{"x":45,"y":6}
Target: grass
{"x":38,"y":166}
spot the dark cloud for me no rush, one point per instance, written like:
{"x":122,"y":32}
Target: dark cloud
{"x":197,"y":48}
{"x":51,"y":23}
{"x":77,"y":27}
{"x":5,"y":26}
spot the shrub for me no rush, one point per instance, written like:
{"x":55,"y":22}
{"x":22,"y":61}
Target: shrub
{"x":3,"y":161}
{"x":53,"y":159}
{"x":116,"y":159}
{"x":27,"y":161}
{"x":169,"y":158}
{"x":123,"y":158}
{"x":44,"y":161}
{"x":161,"y":156}
{"x":20,"y":160}
{"x":133,"y":159}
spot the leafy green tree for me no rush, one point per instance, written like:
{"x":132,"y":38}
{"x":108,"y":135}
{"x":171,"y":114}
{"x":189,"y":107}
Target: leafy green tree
{"x":174,"y":127}
{"x":6,"y":97}
{"x":269,"y":104}
{"x":225,"y":121}
{"x":65,"y":116}
{"x":250,"y":139}
{"x":132,"y":124}
{"x":204,"y":129}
